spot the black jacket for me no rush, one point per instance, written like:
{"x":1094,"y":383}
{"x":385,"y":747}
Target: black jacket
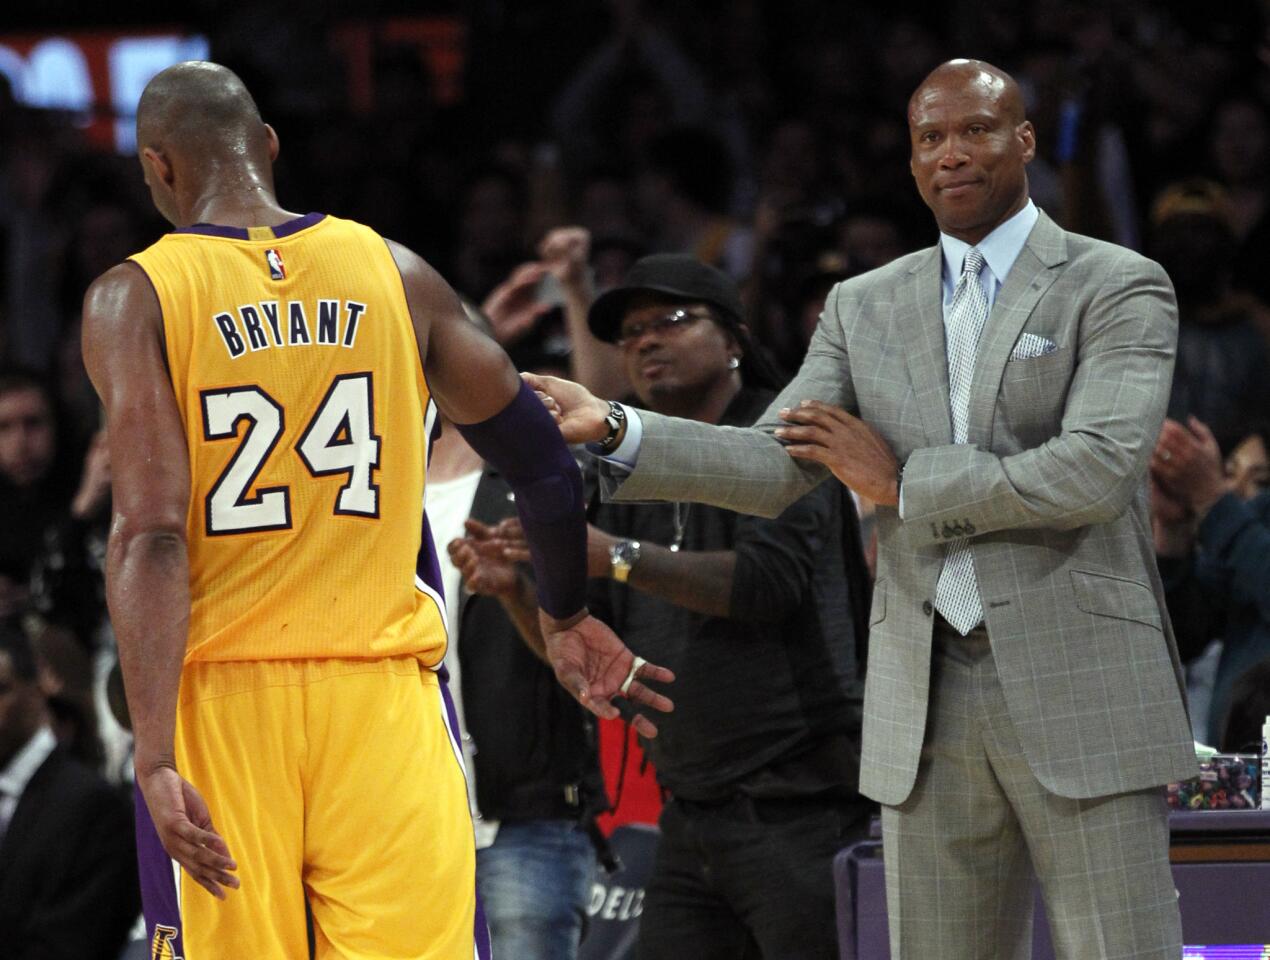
{"x":535,"y":745}
{"x":68,"y":867}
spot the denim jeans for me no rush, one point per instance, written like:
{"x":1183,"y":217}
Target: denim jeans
{"x":534,"y":883}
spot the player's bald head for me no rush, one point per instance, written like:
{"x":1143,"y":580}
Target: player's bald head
{"x":975,"y":77}
{"x":201,"y":111}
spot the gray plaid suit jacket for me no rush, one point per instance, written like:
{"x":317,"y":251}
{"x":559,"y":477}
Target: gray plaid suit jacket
{"x":1051,"y":489}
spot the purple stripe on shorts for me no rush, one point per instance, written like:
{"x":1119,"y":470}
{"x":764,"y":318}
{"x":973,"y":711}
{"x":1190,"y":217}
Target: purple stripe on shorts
{"x":483,"y":949}
{"x":160,"y":902}
{"x":481,"y":927}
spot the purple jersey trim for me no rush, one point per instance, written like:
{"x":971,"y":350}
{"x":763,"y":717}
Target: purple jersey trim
{"x":427,"y":567}
{"x":160,"y":900}
{"x":433,"y":438}
{"x":296,"y":225}
{"x":240,"y":233}
{"x":214,"y":230}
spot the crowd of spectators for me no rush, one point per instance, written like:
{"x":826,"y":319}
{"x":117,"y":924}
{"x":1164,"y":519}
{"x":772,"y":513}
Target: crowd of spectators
{"x":768,"y":139}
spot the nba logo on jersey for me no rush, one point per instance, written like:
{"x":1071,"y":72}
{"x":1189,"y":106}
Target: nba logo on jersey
{"x":276,"y":268}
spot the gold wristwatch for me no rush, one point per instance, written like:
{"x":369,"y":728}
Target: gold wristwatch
{"x":622,"y":556}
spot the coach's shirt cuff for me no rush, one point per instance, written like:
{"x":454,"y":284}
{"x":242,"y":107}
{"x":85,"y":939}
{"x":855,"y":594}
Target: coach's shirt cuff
{"x":627,"y":453}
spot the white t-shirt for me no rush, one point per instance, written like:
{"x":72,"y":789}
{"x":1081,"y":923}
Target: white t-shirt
{"x":449,"y":504}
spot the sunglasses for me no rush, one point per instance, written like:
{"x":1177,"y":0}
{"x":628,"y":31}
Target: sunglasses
{"x":670,"y":323}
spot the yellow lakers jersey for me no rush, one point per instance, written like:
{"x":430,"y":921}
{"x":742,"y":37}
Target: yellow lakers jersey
{"x":307,"y":419}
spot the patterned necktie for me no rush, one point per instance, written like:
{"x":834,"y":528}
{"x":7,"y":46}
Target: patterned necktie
{"x":957,"y":593}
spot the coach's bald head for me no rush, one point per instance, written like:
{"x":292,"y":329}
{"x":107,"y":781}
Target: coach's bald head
{"x":971,"y":144}
{"x":198,"y":130}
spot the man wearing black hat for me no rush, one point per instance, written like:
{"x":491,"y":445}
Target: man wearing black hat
{"x":760,"y":621}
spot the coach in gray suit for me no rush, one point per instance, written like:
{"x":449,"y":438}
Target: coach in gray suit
{"x":1024,"y":700}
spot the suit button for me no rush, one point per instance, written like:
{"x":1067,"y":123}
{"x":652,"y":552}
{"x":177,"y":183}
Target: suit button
{"x":927,"y":607}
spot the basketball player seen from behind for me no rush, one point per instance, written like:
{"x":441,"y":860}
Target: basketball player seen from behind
{"x":269,"y":382}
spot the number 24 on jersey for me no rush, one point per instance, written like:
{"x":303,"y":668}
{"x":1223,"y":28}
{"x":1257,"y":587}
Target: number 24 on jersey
{"x":339,"y":439}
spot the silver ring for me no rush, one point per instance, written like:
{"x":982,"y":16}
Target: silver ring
{"x":635,"y":665}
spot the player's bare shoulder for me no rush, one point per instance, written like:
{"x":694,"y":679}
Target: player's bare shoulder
{"x":428,"y":296}
{"x":469,"y":375}
{"x":121,"y":310}
{"x":123,"y":286}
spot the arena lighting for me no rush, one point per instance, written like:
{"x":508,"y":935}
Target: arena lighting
{"x":1250,"y":951}
{"x":98,"y":76}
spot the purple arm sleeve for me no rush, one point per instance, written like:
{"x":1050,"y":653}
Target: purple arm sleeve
{"x":523,"y":442}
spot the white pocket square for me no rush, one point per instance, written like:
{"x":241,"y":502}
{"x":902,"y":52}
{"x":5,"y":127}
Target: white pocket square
{"x":1029,"y":346}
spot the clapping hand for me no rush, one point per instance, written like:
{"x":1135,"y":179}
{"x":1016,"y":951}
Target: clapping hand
{"x":507,"y":540}
{"x":565,"y":252}
{"x":482,"y":560}
{"x":513,"y":307}
{"x":1188,"y":463}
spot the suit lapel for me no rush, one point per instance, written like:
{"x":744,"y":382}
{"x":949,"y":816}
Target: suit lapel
{"x":1025,"y":284}
{"x":30,"y":805}
{"x":920,"y":316}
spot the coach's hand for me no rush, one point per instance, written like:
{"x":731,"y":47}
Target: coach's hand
{"x":856,"y":454}
{"x":593,"y":664}
{"x":185,"y":828}
{"x":578,"y":412}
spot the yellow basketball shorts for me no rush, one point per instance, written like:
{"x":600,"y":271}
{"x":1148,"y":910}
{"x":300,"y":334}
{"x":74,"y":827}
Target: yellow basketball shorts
{"x":334,"y":782}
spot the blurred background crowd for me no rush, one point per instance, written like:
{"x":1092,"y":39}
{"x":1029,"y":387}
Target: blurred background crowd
{"x":767,"y":138}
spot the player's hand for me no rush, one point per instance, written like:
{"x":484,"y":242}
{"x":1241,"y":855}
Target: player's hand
{"x":579,"y":413}
{"x":185,"y":829}
{"x":855,"y":452}
{"x":592,"y":664}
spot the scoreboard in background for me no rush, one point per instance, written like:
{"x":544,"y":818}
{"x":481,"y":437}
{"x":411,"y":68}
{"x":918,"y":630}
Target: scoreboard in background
{"x":98,"y":76}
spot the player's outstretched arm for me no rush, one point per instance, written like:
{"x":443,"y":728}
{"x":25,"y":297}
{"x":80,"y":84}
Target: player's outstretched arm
{"x":476,"y":387}
{"x":147,"y":566}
